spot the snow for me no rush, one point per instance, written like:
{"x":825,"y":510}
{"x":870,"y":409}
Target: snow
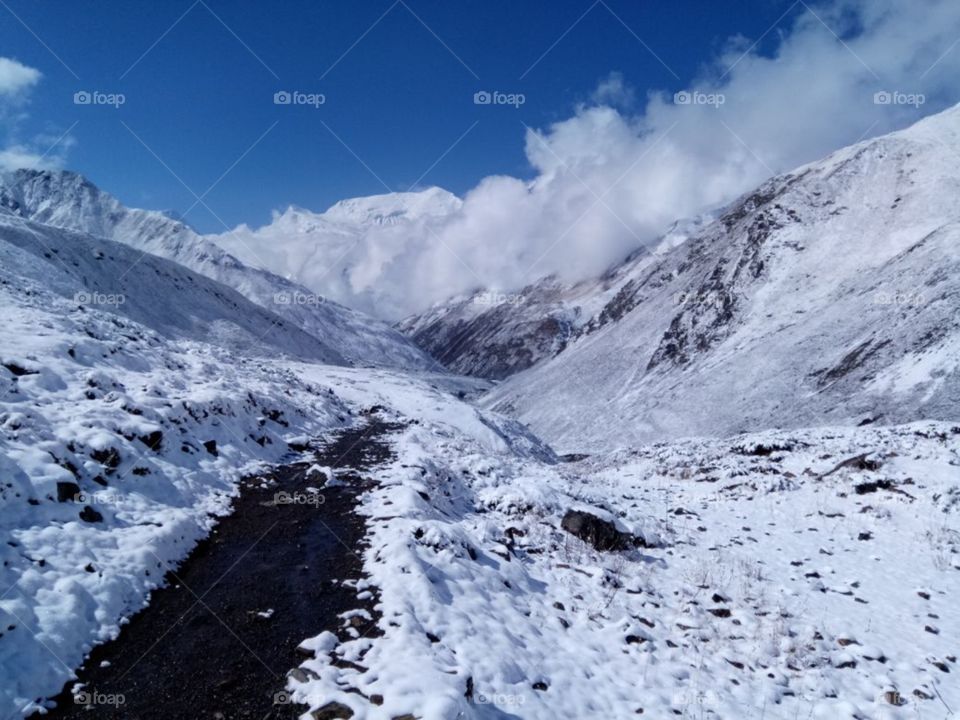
{"x":822,"y":621}
{"x":60,"y":199}
{"x":337,"y":253}
{"x":804,"y":572}
{"x":67,"y":583}
{"x":125,"y":427}
{"x":828,"y":295}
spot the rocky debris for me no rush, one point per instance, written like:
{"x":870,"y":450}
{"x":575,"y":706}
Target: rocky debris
{"x":67,"y":491}
{"x":601,"y":534}
{"x":332,"y":711}
{"x":153,"y":440}
{"x":109,"y":458}
{"x":865,"y":488}
{"x":19,"y":370}
{"x":88,"y":514}
{"x":763,"y":450}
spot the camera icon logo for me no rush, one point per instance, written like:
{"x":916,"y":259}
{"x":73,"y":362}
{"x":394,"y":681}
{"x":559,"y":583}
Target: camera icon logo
{"x":882,"y":98}
{"x":682,"y":98}
{"x":482,"y":97}
{"x":82,"y":97}
{"x":282,"y":698}
{"x":282,"y":97}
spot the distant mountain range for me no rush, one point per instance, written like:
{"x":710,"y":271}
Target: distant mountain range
{"x":61,"y":199}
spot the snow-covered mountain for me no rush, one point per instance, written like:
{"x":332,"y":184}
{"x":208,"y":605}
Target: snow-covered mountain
{"x":783,"y":573}
{"x":92,"y":274}
{"x":135,"y":394}
{"x":830,"y":294}
{"x":318,"y":249}
{"x":493,"y":334}
{"x":67,"y":200}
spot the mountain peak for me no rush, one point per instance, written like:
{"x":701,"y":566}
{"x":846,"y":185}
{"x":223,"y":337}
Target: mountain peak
{"x":389,"y":208}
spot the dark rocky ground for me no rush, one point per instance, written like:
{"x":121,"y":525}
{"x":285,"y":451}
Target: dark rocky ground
{"x":200,"y":649}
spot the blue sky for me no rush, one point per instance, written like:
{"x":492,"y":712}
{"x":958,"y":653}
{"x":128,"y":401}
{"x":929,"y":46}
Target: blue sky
{"x":198,"y":79}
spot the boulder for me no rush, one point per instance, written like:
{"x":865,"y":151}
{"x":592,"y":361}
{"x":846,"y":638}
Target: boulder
{"x":601,"y":534}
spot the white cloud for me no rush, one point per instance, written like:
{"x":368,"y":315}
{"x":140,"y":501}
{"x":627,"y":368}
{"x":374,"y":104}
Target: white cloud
{"x":608,"y":182}
{"x":14,"y":157}
{"x":16,"y":77}
{"x":41,"y":151}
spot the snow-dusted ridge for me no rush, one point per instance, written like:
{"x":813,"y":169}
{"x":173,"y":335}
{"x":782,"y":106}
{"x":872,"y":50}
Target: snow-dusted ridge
{"x":829,"y":294}
{"x":494,"y":334}
{"x":67,"y":200}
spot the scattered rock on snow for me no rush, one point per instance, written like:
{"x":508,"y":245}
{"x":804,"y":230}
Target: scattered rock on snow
{"x":67,"y":491}
{"x":601,"y":534}
{"x":332,"y":711}
{"x":88,"y":514}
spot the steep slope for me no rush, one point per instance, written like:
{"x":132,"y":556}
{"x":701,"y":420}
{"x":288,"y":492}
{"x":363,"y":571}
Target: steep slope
{"x":493,"y":335}
{"x":67,"y":200}
{"x":830,"y":294}
{"x":94,"y":274}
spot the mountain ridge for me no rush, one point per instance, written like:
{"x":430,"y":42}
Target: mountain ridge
{"x":68,"y":200}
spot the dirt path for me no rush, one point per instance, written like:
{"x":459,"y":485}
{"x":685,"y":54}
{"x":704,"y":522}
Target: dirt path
{"x":218,"y":640}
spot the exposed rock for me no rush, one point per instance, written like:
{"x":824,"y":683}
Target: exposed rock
{"x":601,"y":534}
{"x":67,"y":491}
{"x":88,"y":514}
{"x":332,"y":711}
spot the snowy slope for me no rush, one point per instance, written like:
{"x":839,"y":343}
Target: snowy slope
{"x":132,"y":399}
{"x":493,"y":334}
{"x":809,"y":574}
{"x":93,"y":274}
{"x":67,"y":200}
{"x":117,"y":444}
{"x":829,"y":294}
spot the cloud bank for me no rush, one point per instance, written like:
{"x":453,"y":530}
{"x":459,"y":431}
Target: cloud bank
{"x":607,"y":181}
